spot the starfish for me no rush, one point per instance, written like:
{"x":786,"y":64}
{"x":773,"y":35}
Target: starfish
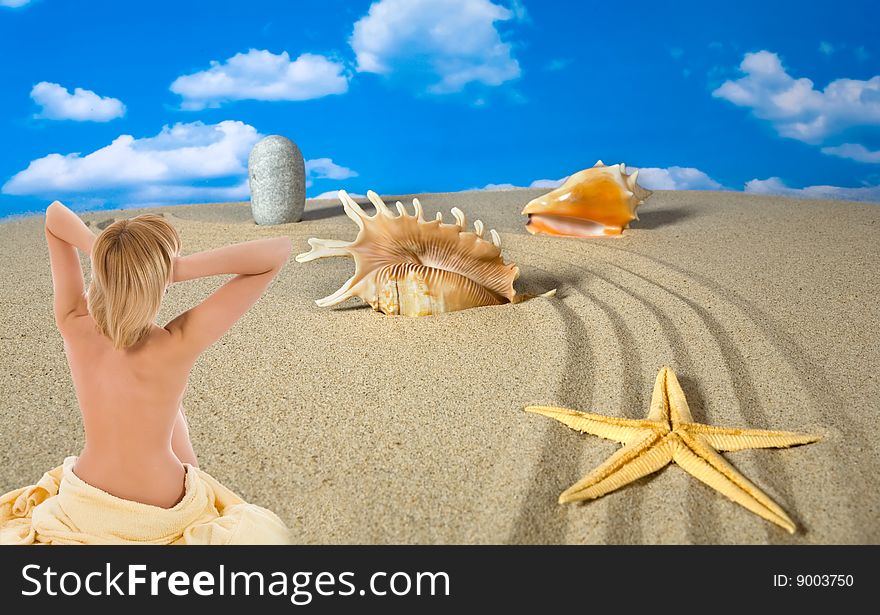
{"x":670,"y":435}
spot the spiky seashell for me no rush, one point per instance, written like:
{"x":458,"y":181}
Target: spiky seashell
{"x":412,"y":267}
{"x":594,"y":202}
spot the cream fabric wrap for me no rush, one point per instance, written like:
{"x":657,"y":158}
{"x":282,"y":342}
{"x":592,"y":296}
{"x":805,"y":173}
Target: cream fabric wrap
{"x":63,"y":509}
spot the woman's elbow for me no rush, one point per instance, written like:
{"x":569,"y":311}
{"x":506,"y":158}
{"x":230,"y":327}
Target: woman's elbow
{"x":285,"y":245}
{"x":278,"y":251}
{"x":52,"y":207}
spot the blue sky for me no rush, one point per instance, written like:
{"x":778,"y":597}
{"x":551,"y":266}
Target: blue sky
{"x":109,"y":103}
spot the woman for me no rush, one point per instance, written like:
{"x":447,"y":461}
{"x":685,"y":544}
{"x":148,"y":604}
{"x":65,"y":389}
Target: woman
{"x":129,"y":373}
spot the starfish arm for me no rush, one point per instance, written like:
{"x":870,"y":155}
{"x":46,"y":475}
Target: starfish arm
{"x":668,"y":402}
{"x":608,"y":427}
{"x":726,"y":439}
{"x":706,"y":465}
{"x":629,"y":464}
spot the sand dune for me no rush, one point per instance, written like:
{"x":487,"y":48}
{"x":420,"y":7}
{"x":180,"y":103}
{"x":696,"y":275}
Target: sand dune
{"x":355,"y":427}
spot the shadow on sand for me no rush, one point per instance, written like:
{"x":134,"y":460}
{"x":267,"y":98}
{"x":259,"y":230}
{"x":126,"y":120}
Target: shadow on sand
{"x":322,"y":213}
{"x":650,"y":220}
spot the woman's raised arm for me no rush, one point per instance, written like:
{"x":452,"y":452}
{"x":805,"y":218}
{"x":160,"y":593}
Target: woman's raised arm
{"x":256,"y":263}
{"x":249,"y":258}
{"x":65,"y":233}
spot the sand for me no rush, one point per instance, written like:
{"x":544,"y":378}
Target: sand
{"x":360,"y":428}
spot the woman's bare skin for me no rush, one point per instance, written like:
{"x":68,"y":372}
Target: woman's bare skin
{"x":136,"y":432}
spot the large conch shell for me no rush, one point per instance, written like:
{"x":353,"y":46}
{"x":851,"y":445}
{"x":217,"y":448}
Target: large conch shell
{"x":405,"y":265}
{"x":594,"y":202}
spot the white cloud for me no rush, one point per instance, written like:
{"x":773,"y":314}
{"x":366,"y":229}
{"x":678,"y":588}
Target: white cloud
{"x":676,"y":178}
{"x":689,"y":178}
{"x":14,"y":4}
{"x":795,"y":108}
{"x":183,"y":152}
{"x":82,"y":106}
{"x":163,"y":194}
{"x":557,"y":64}
{"x":443,"y":45}
{"x":519,"y":10}
{"x":187,"y":162}
{"x":548,"y":183}
{"x":775,"y":186}
{"x":494,"y":187}
{"x":853,"y":151}
{"x":334,"y":194}
{"x":826,"y":48}
{"x":652,"y":178}
{"x":261,"y":75}
{"x":325,"y":168}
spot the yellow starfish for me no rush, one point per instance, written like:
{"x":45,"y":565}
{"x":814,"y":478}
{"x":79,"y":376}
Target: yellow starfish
{"x":670,"y":435}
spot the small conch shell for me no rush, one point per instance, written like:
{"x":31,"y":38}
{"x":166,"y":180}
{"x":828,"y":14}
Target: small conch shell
{"x":408,"y":266}
{"x":594,"y":202}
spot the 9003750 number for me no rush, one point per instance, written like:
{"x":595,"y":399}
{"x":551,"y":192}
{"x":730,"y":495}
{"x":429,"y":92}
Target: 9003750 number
{"x":824,"y":580}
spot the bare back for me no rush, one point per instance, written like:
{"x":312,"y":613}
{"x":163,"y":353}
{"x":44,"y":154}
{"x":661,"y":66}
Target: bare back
{"x":130,"y":400}
{"x":136,"y":435}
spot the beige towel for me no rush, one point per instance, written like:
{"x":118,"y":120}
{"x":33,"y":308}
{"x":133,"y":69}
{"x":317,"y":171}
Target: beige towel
{"x":62,"y":509}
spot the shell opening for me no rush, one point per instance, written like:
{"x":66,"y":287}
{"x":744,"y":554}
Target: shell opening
{"x":565,"y":225}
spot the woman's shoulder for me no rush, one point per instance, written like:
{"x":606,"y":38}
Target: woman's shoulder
{"x":160,"y":343}
{"x":83,"y":330}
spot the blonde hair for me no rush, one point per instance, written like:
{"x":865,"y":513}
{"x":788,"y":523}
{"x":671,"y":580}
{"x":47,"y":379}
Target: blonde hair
{"x":132,"y":264}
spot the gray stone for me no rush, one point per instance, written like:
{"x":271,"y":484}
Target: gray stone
{"x":277,"y":178}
